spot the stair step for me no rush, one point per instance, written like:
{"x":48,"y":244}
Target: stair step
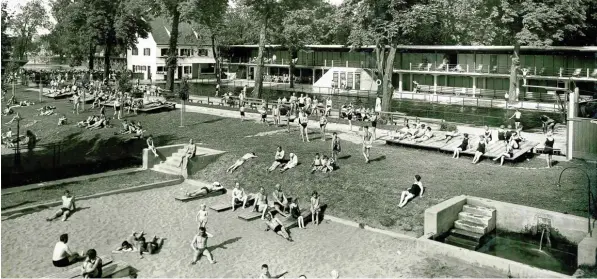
{"x":172,"y":163}
{"x":167,"y":168}
{"x":461,"y":242}
{"x":477,"y":219}
{"x":471,"y":227}
{"x":467,"y":235}
{"x":479,"y":210}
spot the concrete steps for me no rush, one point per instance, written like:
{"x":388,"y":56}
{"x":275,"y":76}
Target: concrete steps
{"x":171,"y":164}
{"x":473,"y":223}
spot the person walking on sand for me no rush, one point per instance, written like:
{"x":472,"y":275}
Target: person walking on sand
{"x":202,"y":217}
{"x":367,"y":143}
{"x":199,"y":245}
{"x":68,"y":207}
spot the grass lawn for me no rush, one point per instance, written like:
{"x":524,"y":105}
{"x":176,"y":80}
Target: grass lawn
{"x":367,"y":193}
{"x":82,"y":188}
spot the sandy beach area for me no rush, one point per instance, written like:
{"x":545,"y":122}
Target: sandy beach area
{"x":239,"y":247}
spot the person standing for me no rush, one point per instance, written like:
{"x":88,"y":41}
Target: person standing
{"x":76,"y":102}
{"x":548,"y":149}
{"x":336,"y":148}
{"x":199,"y":245}
{"x":367,"y":143}
{"x":378,"y":104}
{"x":517,"y":115}
{"x":217,"y":89}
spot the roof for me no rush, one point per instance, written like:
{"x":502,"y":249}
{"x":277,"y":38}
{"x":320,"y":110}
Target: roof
{"x":471,"y":48}
{"x":161,"y":28}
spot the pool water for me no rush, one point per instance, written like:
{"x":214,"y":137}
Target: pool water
{"x":561,"y":257}
{"x":477,"y":116}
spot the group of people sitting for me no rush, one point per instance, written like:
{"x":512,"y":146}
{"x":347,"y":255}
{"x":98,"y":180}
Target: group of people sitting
{"x":94,"y":122}
{"x":417,"y":132}
{"x":46,"y":110}
{"x":130,"y":127}
{"x":511,"y":139}
{"x":322,"y":163}
{"x":281,"y":162}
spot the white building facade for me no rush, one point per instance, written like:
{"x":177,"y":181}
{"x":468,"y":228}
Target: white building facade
{"x":147,"y":60}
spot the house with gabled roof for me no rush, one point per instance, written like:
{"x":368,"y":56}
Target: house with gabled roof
{"x":147,"y":59}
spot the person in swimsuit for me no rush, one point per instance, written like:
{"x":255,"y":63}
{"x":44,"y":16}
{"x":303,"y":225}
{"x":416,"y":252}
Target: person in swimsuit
{"x":303,"y":121}
{"x":265,"y":272}
{"x":349,"y":116}
{"x":263,"y":112}
{"x":239,"y":196}
{"x":202,"y":216}
{"x":68,"y":207}
{"x":216,"y":186}
{"x":76,"y":103}
{"x":261,"y":203}
{"x":502,"y":134}
{"x":293,"y":162}
{"x":151,"y":146}
{"x":242,"y":112}
{"x":517,"y":115}
{"x":217,"y":89}
{"x":301,"y":101}
{"x":327,"y":164}
{"x":92,"y":266}
{"x":146,"y":247}
{"x":547,"y":124}
{"x":415,"y":190}
{"x":241,"y":161}
{"x":280,"y":200}
{"x":296,"y":213}
{"x":276,"y":226}
{"x":336,"y":147}
{"x":463,"y":146}
{"x":374,"y":125}
{"x":328,"y":107}
{"x":189,"y":154}
{"x":427,"y":135}
{"x":126,"y":246}
{"x":278,"y":159}
{"x":316,"y":165}
{"x":367,"y":143}
{"x":62,"y":255}
{"x":548,"y":149}
{"x":315,"y":207}
{"x":508,"y":153}
{"x":517,"y":140}
{"x":117,"y":108}
{"x":276,"y":114}
{"x":488,"y":134}
{"x":480,"y":149}
{"x":199,"y":246}
{"x":323,"y":122}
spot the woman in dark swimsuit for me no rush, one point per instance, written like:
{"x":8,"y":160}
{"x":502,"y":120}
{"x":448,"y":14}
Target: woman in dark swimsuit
{"x":336,"y":148}
{"x":415,"y":190}
{"x":463,"y":146}
{"x":349,"y":115}
{"x":303,"y":120}
{"x":487,"y":135}
{"x":480,"y":149}
{"x":548,"y":149}
{"x":275,"y":225}
{"x":374,"y":124}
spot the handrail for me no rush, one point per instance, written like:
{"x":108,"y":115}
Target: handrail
{"x":589,"y":194}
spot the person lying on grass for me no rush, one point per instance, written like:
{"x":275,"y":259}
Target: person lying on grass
{"x":241,"y":161}
{"x":278,"y":159}
{"x":124,"y":247}
{"x":275,"y":225}
{"x":216,"y":186}
{"x":316,"y":165}
{"x":238,"y":196}
{"x":7,"y":110}
{"x":84,"y":123}
{"x":146,"y":247}
{"x":68,"y":207}
{"x":293,"y":162}
{"x":415,"y":190}
{"x":46,"y":112}
{"x":62,"y":120}
{"x":101,"y":122}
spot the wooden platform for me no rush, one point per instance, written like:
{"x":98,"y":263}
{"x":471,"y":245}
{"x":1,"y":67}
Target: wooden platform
{"x":156,"y":108}
{"x":74,"y":270}
{"x":226,"y":205}
{"x":495,"y":149}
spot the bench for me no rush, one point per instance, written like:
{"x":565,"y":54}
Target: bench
{"x":496,"y":148}
{"x":118,"y":269}
{"x":436,"y":142}
{"x":250,"y":216}
{"x":75,"y":272}
{"x":183,"y":198}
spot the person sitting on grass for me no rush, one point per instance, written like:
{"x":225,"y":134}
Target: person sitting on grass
{"x":100,"y":123}
{"x":292,"y":162}
{"x":68,"y":207}
{"x":428,"y":134}
{"x":151,"y":146}
{"x":62,"y":256}
{"x":241,"y":161}
{"x":317,"y":164}
{"x":7,"y":110}
{"x":327,"y":164}
{"x":238,"y":196}
{"x":275,"y":225}
{"x":139,"y":130}
{"x":278,"y":159}
{"x":62,"y":120}
{"x":216,"y":186}
{"x":415,"y":190}
{"x":261,"y":204}
{"x":147,"y":247}
{"x":92,"y":266}
{"x":46,"y":112}
{"x":280,"y":200}
{"x":315,"y":207}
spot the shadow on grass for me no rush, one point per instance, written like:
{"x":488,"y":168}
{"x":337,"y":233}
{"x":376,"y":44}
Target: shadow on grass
{"x":37,"y":209}
{"x":378,"y":159}
{"x":344,"y":157}
{"x":225,"y":243}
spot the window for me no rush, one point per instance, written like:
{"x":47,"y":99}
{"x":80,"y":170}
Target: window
{"x":187,"y":69}
{"x":135,"y":51}
{"x":138,"y":68}
{"x":202,"y":52}
{"x":161,"y":69}
{"x":146,"y":52}
{"x":185,"y":52}
{"x":164,"y":52}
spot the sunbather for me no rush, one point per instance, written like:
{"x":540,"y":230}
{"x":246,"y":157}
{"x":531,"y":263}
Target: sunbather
{"x":292,"y":162}
{"x":191,"y":149}
{"x":261,"y":204}
{"x":126,"y":246}
{"x":278,"y":159}
{"x":68,"y":207}
{"x":415,"y":190}
{"x":280,"y":200}
{"x":99,"y":123}
{"x":62,"y":120}
{"x":92,"y":266}
{"x":316,"y":165}
{"x":327,"y":164}
{"x":428,"y":134}
{"x":295,"y":212}
{"x":147,"y":247}
{"x":463,"y":146}
{"x":238,"y":196}
{"x":216,"y":186}
{"x":275,"y":225}
{"x":241,"y":161}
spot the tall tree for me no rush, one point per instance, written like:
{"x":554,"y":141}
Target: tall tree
{"x":5,"y":40}
{"x":25,"y":24}
{"x":537,"y":23}
{"x":71,"y":34}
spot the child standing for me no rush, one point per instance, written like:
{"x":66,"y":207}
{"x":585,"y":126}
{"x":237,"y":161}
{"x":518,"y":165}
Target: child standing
{"x":242,"y":112}
{"x":202,"y":217}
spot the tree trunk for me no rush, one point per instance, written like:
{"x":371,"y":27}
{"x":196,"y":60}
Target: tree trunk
{"x":215,"y":50}
{"x":172,"y":50}
{"x":386,"y":99}
{"x":379,"y":57}
{"x":514,"y":74}
{"x":91,"y":56}
{"x":107,"y":53}
{"x":291,"y":68}
{"x":259,"y":69}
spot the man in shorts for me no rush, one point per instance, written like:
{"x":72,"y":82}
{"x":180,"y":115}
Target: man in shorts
{"x":63,"y":256}
{"x":238,"y":196}
{"x":199,"y":245}
{"x":517,"y":115}
{"x":68,"y":207}
{"x":367,"y":143}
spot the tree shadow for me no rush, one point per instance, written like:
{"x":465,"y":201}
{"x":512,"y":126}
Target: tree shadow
{"x":225,"y":243}
{"x":16,"y":205}
{"x":38,"y":209}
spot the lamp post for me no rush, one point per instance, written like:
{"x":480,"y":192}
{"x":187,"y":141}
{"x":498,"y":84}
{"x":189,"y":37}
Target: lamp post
{"x":18,"y":118}
{"x":589,"y":194}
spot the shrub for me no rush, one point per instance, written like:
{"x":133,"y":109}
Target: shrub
{"x":449,"y":127}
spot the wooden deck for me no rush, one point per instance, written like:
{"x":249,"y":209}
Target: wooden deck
{"x":493,"y":150}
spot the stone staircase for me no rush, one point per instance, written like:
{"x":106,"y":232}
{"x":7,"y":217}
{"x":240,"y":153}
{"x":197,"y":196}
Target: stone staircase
{"x":170,"y":165}
{"x":473,"y":224}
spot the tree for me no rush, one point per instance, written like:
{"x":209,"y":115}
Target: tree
{"x":537,"y":23}
{"x":25,"y":24}
{"x":385,"y":24}
{"x":298,"y":30}
{"x":5,"y":40}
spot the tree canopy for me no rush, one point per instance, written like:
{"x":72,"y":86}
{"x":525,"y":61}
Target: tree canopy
{"x":26,"y":24}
